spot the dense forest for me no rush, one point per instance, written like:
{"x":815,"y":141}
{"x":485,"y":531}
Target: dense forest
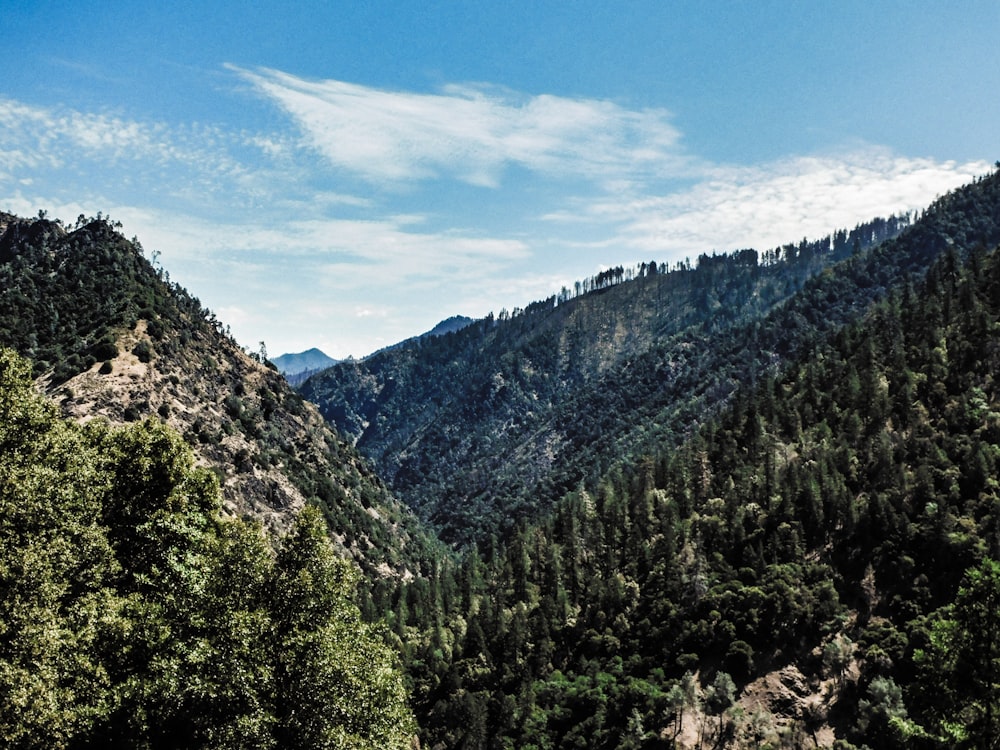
{"x":823,"y":524}
{"x":746,"y":502}
{"x":836,"y":524}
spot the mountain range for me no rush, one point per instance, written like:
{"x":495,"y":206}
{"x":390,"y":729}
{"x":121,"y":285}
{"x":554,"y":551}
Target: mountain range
{"x":491,"y":424}
{"x":748,"y":501}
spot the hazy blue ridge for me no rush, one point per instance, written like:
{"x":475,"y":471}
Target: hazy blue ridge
{"x":311,"y":359}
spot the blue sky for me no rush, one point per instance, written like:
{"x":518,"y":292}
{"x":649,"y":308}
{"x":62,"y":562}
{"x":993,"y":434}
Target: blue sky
{"x":345,"y":175}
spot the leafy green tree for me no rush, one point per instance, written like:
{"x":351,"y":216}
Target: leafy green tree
{"x":337,"y":685}
{"x":720,"y":695}
{"x":55,"y":569}
{"x":881,"y":711}
{"x":963,"y":660}
{"x":133,"y":616}
{"x":676,"y":702}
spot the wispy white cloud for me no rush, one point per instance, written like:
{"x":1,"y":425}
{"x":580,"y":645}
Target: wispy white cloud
{"x":470,"y":132}
{"x":109,"y":152}
{"x":768,"y":205}
{"x":326,"y":253}
{"x":49,"y":135}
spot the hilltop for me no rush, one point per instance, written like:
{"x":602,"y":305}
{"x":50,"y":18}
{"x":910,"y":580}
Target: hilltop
{"x":311,"y":360}
{"x":297,"y":368}
{"x":111,"y":337}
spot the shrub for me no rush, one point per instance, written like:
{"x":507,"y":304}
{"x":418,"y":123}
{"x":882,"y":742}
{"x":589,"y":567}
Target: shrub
{"x":143,"y":351}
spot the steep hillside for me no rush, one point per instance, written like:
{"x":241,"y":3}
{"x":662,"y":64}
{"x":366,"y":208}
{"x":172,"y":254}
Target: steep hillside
{"x":815,"y":564}
{"x":111,"y":337}
{"x":494,"y":423}
{"x":479,"y":428}
{"x":133,"y":616}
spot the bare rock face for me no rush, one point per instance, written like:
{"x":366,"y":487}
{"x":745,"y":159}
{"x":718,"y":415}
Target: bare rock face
{"x":265,"y":444}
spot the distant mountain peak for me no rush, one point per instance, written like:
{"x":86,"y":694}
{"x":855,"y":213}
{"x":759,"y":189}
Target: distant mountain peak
{"x":309,"y":360}
{"x":446,"y":326}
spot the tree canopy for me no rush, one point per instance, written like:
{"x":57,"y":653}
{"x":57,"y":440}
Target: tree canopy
{"x":133,"y":615}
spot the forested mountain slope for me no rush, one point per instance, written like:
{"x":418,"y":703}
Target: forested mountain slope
{"x":496,"y":422}
{"x":815,"y":564}
{"x":111,"y":337}
{"x":132,"y":615}
{"x":750,"y":502}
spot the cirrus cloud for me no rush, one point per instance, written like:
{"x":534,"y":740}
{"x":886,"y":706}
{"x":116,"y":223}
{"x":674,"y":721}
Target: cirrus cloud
{"x":469,"y":132}
{"x":767,"y":205}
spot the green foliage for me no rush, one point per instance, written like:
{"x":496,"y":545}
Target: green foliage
{"x":132,"y":615}
{"x":836,"y":502}
{"x":143,"y":351}
{"x":961,"y":665}
{"x":55,"y":564}
{"x":337,"y":686}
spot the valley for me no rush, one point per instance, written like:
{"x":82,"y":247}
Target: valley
{"x":746,"y":501}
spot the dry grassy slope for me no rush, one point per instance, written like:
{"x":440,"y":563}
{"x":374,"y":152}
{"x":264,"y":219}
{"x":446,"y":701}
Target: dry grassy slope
{"x":164,"y":388}
{"x":202,"y":391}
